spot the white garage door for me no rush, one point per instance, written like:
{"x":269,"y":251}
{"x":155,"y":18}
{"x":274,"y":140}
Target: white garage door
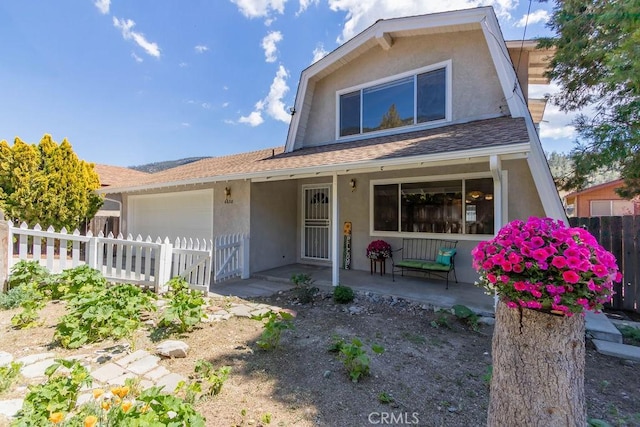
{"x":186,"y":214}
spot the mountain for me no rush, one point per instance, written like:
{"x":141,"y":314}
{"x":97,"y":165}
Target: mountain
{"x":160,"y":166}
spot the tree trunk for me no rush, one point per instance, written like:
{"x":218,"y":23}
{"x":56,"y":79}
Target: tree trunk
{"x":538,"y":369}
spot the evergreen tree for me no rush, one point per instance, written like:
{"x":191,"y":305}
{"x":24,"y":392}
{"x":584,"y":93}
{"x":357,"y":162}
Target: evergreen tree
{"x":391,"y":119}
{"x":47,"y":184}
{"x":597,"y":63}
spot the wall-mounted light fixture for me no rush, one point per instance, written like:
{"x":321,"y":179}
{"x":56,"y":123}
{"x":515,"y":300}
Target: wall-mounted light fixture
{"x":352,"y":184}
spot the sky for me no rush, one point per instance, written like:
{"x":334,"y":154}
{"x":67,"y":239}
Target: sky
{"x":135,"y":82}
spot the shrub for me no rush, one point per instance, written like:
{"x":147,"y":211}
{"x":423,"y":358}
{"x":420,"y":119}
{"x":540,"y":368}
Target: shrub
{"x":343,"y":294}
{"x":74,"y":281}
{"x":31,"y":304}
{"x":112,"y":312}
{"x":185,"y":308}
{"x":8,"y":374}
{"x":353,"y":356}
{"x":16,"y":296}
{"x":304,"y":289}
{"x":25,"y":272}
{"x":273,"y":327}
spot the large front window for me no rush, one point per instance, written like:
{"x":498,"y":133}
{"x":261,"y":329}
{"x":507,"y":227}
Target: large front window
{"x":406,"y":100}
{"x":462,"y":206}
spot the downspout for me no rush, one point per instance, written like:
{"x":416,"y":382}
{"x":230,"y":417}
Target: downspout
{"x":335,"y":275}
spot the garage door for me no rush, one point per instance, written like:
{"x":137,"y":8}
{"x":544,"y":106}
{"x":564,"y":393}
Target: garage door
{"x":182,"y":214}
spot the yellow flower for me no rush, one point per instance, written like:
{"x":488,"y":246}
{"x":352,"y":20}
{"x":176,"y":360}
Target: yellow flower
{"x":56,"y":417}
{"x":90,"y":421}
{"x":145,"y":408}
{"x":97,"y":393}
{"x":126,"y":405}
{"x":106,"y":405}
{"x":120,"y":391}
{"x":118,"y":400}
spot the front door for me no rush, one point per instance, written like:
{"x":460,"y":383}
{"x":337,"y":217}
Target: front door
{"x":316,"y":226}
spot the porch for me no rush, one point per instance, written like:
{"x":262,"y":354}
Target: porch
{"x":419,"y":289}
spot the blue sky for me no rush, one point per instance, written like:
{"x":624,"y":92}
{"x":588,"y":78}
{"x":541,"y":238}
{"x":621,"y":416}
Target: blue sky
{"x":133,"y":82}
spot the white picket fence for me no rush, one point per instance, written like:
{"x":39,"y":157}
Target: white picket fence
{"x":146,"y":263}
{"x":231,"y":257}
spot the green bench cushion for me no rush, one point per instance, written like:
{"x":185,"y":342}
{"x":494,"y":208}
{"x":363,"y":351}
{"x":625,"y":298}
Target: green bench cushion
{"x":419,"y":264}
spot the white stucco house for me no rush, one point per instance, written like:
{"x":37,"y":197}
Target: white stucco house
{"x":416,"y":127}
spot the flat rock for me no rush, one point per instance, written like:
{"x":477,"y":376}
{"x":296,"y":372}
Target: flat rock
{"x":170,"y":382}
{"x":157,"y":373}
{"x":241,"y":311}
{"x":108,"y":372}
{"x":35,"y":370}
{"x":143,"y":365}
{"x":130,"y":358}
{"x":9,"y":408}
{"x":623,"y":351}
{"x":5,"y":358}
{"x":172,"y":348}
{"x":33,"y":358}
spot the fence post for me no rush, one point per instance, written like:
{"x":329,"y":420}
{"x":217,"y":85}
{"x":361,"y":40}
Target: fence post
{"x":92,"y":251}
{"x":164,"y":273}
{"x":4,"y":252}
{"x":246,"y":271}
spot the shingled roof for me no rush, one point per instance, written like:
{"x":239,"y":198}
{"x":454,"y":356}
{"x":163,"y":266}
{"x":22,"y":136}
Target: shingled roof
{"x":117,"y":175}
{"x":481,"y":134}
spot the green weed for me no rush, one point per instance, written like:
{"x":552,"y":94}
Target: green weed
{"x":8,"y":374}
{"x":273,"y":327}
{"x":353,"y":356}
{"x":185,"y":308}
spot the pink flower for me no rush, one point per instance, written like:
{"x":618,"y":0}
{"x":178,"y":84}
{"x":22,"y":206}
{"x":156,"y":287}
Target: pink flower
{"x":559,"y":262}
{"x":519,"y":286}
{"x":492,"y":278}
{"x":506,"y":266}
{"x":534,"y":304}
{"x":512,"y":304}
{"x":518,"y":268}
{"x":540,"y":255}
{"x":570,"y":276}
{"x":599,"y":270}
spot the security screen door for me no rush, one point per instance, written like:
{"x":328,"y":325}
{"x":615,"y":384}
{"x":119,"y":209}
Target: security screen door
{"x":316,"y":223}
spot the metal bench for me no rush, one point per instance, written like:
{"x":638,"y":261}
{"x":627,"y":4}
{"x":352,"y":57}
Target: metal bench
{"x":431,"y":256}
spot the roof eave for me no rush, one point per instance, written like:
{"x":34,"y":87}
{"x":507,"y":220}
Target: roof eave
{"x":471,"y":155}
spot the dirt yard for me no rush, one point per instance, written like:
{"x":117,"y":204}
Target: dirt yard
{"x":433,"y":372}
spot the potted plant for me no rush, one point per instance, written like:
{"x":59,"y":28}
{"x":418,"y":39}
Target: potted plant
{"x":378,"y":249}
{"x":537,"y":269}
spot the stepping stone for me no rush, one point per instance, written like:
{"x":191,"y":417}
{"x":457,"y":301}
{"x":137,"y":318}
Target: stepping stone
{"x":623,"y":351}
{"x":108,"y":372}
{"x":5,"y":358}
{"x":9,"y":408}
{"x":143,"y":365}
{"x":241,"y":311}
{"x":260,"y":311}
{"x":36,"y":369}
{"x":157,"y":373}
{"x":122,"y":378}
{"x":136,"y":355}
{"x":600,"y":327}
{"x":170,"y":382}
{"x":33,"y":358}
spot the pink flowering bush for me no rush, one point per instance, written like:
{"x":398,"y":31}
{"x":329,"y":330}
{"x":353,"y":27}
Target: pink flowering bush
{"x":541,"y":264}
{"x":378,"y":249}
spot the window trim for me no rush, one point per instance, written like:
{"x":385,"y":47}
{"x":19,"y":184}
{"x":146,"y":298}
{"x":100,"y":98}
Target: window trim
{"x":431,"y":178}
{"x":417,"y":126}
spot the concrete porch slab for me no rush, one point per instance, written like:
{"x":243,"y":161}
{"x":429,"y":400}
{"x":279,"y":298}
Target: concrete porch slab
{"x":599,"y":327}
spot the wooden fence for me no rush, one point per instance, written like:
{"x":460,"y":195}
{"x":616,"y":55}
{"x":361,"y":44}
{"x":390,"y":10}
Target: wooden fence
{"x":620,"y":235}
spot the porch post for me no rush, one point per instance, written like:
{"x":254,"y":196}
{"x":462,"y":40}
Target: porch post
{"x":496,"y":171}
{"x":335,"y":278}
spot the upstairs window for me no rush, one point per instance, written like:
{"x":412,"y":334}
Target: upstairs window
{"x":406,"y":100}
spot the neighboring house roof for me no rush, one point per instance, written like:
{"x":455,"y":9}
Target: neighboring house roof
{"x":117,"y":175}
{"x":505,"y":135}
{"x":614,"y":184}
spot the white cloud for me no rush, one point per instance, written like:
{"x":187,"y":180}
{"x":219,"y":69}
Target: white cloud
{"x":201,"y":48}
{"x":304,"y":4}
{"x":185,"y":124}
{"x":269,"y":43}
{"x":183,"y":64}
{"x":206,"y":105}
{"x":361,"y":14}
{"x":272,"y":104}
{"x":254,"y":119}
{"x":319,"y":53}
{"x":126,"y":27}
{"x":136,"y":57}
{"x":536,"y":17}
{"x":103,"y":6}
{"x":225,"y":104}
{"x":259,"y":8}
{"x":229,"y":122}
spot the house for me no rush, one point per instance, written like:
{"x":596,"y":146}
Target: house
{"x":416,"y":127}
{"x":600,"y":200}
{"x":107,"y":219}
